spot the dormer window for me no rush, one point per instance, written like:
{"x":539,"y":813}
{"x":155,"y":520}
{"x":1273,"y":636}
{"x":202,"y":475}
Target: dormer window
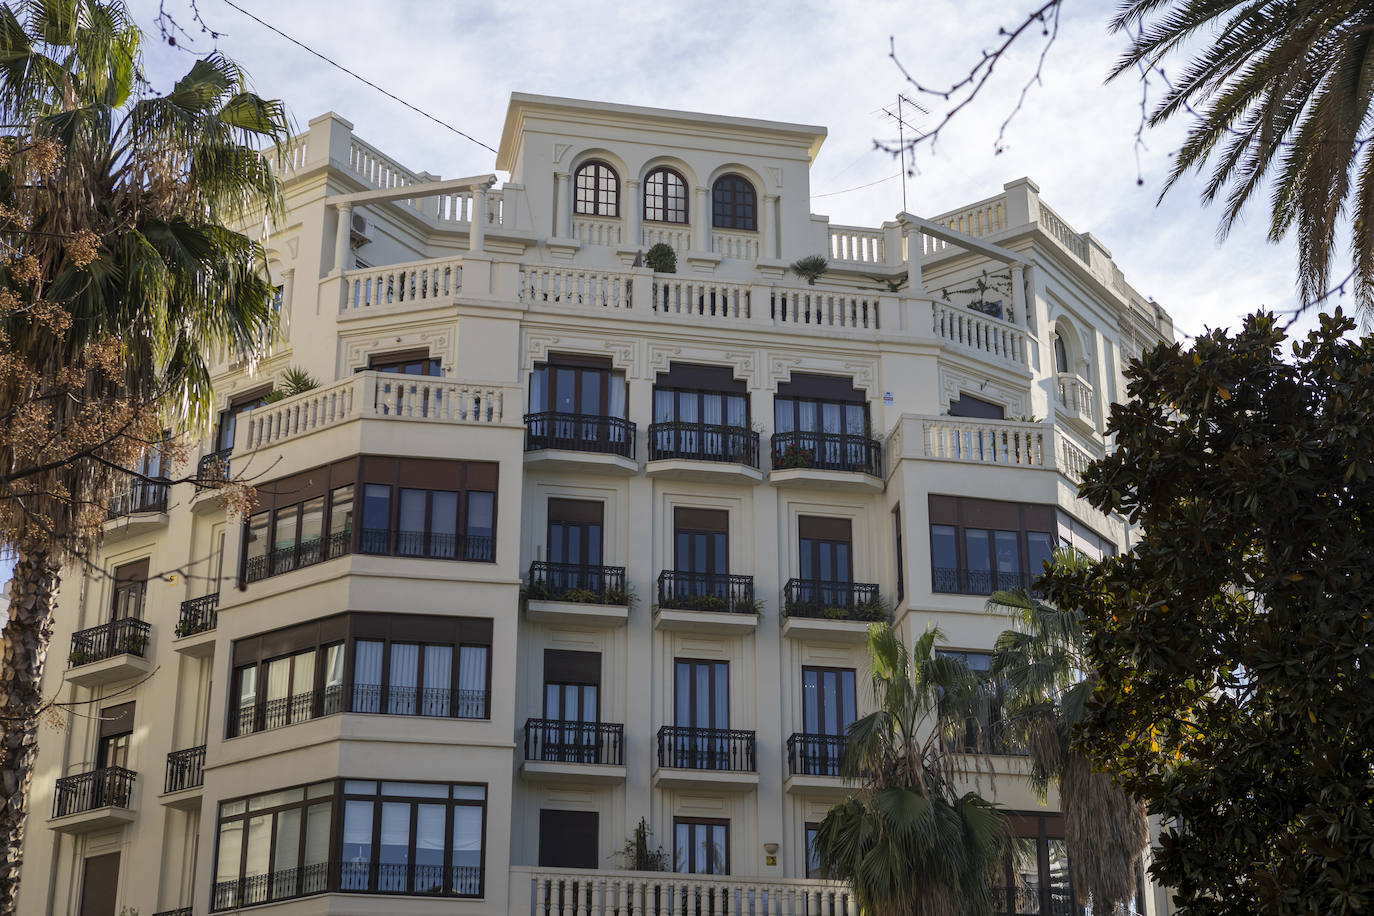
{"x":734,"y":204}
{"x":598,"y":190}
{"x":665,"y":197}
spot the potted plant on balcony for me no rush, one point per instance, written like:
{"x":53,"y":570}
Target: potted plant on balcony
{"x":79,"y":657}
{"x":636,"y":854}
{"x":811,"y":267}
{"x":661,"y":259}
{"x":794,"y":456}
{"x":295,"y":381}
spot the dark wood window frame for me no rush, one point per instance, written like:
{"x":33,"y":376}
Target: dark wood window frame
{"x":809,"y":831}
{"x":694,"y":700}
{"x":962,"y":515}
{"x":227,"y":424}
{"x":661,"y":204}
{"x":701,"y":822}
{"x":734,"y":203}
{"x":129,"y":597}
{"x":596,"y":190}
{"x":247,"y":815}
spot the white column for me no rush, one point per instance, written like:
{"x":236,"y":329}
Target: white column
{"x":288,"y":292}
{"x":477,"y":229}
{"x":703,"y":211}
{"x":341,"y":246}
{"x":1018,"y":294}
{"x":913,"y":261}
{"x":562,"y":209}
{"x":636,"y":211}
{"x":768,"y":246}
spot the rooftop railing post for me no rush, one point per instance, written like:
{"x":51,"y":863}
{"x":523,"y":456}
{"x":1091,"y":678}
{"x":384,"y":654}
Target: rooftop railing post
{"x":342,"y":229}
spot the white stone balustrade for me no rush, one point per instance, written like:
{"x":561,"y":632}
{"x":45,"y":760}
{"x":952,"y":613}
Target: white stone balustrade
{"x":591,"y":231}
{"x":1071,"y":460}
{"x":575,"y":286}
{"x":736,"y":246}
{"x":378,"y":169}
{"x":857,"y":243}
{"x":586,"y":892}
{"x":979,"y":332}
{"x":290,"y":157}
{"x":418,"y":283}
{"x":983,"y":218}
{"x":674,"y":295}
{"x":376,"y":395}
{"x":1076,"y":398}
{"x":678,"y":238}
{"x":1057,"y":228}
{"x":824,"y":307}
{"x":1006,"y":442}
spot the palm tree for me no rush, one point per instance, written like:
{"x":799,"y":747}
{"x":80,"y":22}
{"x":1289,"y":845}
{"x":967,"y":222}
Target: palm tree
{"x":1277,"y":90}
{"x":907,"y":842}
{"x":1046,"y":678}
{"x":120,"y":274}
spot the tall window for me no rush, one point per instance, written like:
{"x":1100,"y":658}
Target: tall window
{"x":901,"y":557}
{"x":413,"y":678}
{"x":228,"y":418}
{"x":582,"y":390}
{"x":701,"y":846}
{"x":130,"y":590}
{"x":287,"y":689}
{"x":1061,"y":353}
{"x":116,"y":731}
{"x":665,"y":197}
{"x":273,"y":846}
{"x":702,"y":694}
{"x":1037,"y":880}
{"x":821,"y":421}
{"x":572,"y":703}
{"x":701,"y":412}
{"x":734,"y":204}
{"x":979,"y":546}
{"x":575,"y":532}
{"x":813,"y":854}
{"x":828,"y":709}
{"x":598,"y":190}
{"x":701,"y":541}
{"x":413,"y":837}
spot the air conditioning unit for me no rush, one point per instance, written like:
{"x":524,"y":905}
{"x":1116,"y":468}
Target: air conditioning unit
{"x":360,"y":231}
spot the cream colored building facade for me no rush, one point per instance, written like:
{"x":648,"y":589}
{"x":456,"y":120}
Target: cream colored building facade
{"x":561,"y":542}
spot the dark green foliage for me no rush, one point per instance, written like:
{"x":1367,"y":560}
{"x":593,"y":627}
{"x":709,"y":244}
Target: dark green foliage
{"x":810,"y":267}
{"x":1234,"y":645}
{"x":660,"y":258}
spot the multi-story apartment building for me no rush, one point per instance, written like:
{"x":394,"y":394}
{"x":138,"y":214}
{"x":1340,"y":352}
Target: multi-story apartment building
{"x":561,"y":543}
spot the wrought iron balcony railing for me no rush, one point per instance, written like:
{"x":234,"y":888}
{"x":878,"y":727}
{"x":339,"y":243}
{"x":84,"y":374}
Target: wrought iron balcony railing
{"x":430,"y":544}
{"x":108,"y":787}
{"x":557,"y":741}
{"x":827,"y":452}
{"x":960,"y":581}
{"x":693,"y":591}
{"x":198,"y":615}
{"x":123,"y":636}
{"x":830,"y":600}
{"x":280,"y":712}
{"x":580,"y":433}
{"x":815,"y":755}
{"x":704,"y":442}
{"x":285,"y":884}
{"x":577,"y":583}
{"x":438,"y":702}
{"x":301,"y":554}
{"x":411,"y":878}
{"x":213,"y":468}
{"x":142,"y":496}
{"x":185,"y":769}
{"x":706,"y":749}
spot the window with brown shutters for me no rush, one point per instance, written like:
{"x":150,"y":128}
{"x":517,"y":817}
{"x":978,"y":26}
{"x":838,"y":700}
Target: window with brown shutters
{"x":568,"y":839}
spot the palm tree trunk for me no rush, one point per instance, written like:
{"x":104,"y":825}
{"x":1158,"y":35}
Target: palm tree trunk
{"x":33,"y":593}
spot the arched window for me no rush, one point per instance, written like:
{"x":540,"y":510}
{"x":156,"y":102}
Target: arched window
{"x":665,"y":197}
{"x":734,"y":204}
{"x":1061,"y":353}
{"x":598,"y":190}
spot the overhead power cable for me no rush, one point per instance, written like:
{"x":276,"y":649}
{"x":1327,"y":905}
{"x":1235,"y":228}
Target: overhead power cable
{"x":361,"y":79}
{"x":859,"y":188}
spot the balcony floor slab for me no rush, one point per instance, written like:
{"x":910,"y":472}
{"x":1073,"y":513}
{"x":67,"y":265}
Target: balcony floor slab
{"x":817,"y":479}
{"x":108,"y":670}
{"x":703,"y":471}
{"x":183,"y":800}
{"x":106,"y":818}
{"x":568,"y":462}
{"x":683,"y":621}
{"x":134,"y":523}
{"x":558,"y":771}
{"x":710,"y":780}
{"x":825,"y":630}
{"x":836,"y":787}
{"x":576,"y":613}
{"x":197,"y":645}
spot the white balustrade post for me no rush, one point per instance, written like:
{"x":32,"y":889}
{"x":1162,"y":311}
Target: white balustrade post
{"x":477,"y":228}
{"x":341,"y":237}
{"x":541,"y":895}
{"x":562,"y":214}
{"x":703,"y":220}
{"x":768,"y":243}
{"x":913,"y":261}
{"x":635,"y":213}
{"x":1018,"y":294}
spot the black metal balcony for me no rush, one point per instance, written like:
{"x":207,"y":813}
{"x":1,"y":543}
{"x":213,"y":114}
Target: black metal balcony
{"x":109,"y":787}
{"x":179,"y":911}
{"x":580,"y":433}
{"x":557,"y":741}
{"x":185,"y":769}
{"x":438,"y":702}
{"x":213,"y":468}
{"x":704,"y":442}
{"x":298,"y":555}
{"x":706,"y":749}
{"x":198,"y":615}
{"x":958,"y":581}
{"x":827,"y":452}
{"x":692,"y":591}
{"x":142,"y":496}
{"x":124,"y":636}
{"x":279,"y":712}
{"x":830,"y":600}
{"x":428,"y":544}
{"x":815,"y":755}
{"x":577,"y":583}
{"x":285,"y":884}
{"x":411,"y":878}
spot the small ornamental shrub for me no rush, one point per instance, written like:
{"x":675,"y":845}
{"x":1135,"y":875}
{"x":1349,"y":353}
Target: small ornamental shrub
{"x":810,"y":267}
{"x":794,"y":456}
{"x":660,"y":258}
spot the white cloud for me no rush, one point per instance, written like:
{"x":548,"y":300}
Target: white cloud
{"x":813,"y":62}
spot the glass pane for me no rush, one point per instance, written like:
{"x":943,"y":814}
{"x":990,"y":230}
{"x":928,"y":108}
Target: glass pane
{"x":682,"y":843}
{"x":1008,"y":559}
{"x":257,"y":536}
{"x":230,"y":851}
{"x":360,"y":787}
{"x":376,"y":517}
{"x":944,"y":558}
{"x":471,"y":793}
{"x":317,"y":820}
{"x":471,"y":702}
{"x":539,"y":387}
{"x":410,"y":532}
{"x":416,"y":789}
{"x":683,"y":695}
{"x":275,"y":799}
{"x":565,"y":391}
{"x":979,"y":563}
{"x":721,"y":699}
{"x":367,"y":675}
{"x":430,"y":821}
{"x":285,"y":528}
{"x":479,"y":524}
{"x":1039,"y":546}
{"x":806,"y":416}
{"x":810,"y":701}
{"x":284,"y":859}
{"x":256,"y":861}
{"x":341,"y":511}
{"x":438,"y":677}
{"x":783,"y":415}
{"x":467,"y":850}
{"x":394,"y":853}
{"x":615,"y":392}
{"x":663,"y":406}
{"x":443,"y":524}
{"x":356,"y":849}
{"x":401,"y":682}
{"x":312,"y":519}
